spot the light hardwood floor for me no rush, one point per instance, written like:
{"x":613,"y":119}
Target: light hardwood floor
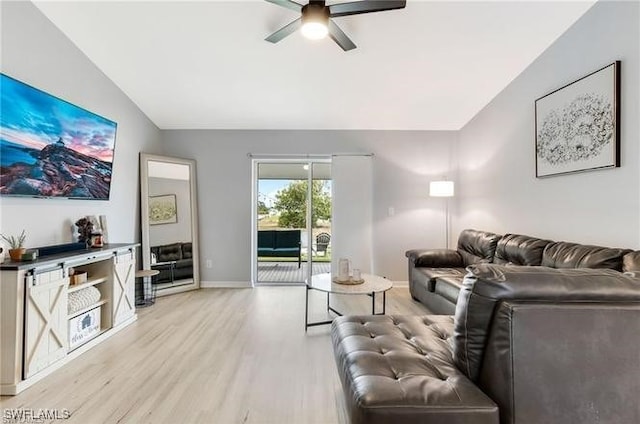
{"x":211,"y":356}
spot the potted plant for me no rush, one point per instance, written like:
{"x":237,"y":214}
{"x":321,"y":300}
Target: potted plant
{"x":16,"y":245}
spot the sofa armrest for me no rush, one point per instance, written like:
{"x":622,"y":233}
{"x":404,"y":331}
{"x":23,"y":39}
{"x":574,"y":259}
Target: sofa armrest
{"x":435,"y":258}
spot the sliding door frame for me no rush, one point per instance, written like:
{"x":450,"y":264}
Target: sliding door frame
{"x":256,"y":160}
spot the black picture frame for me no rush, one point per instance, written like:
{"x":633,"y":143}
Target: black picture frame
{"x":163,"y":209}
{"x":577,"y":126}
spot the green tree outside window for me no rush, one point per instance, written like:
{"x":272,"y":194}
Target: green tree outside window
{"x":291,"y":204}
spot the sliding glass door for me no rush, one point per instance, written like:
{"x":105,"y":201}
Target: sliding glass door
{"x":292,"y":220}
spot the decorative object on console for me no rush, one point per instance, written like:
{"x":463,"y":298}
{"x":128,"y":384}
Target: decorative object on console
{"x":61,"y":248}
{"x":577,"y":126}
{"x":52,"y":148}
{"x":85,"y":229}
{"x":95,"y":221}
{"x":163,"y":209}
{"x":443,"y":189}
{"x":77,"y":277}
{"x":16,"y":245}
{"x":82,"y":299}
{"x":84,"y":327}
{"x":29,"y":255}
{"x":105,"y":230}
{"x":96,"y":240}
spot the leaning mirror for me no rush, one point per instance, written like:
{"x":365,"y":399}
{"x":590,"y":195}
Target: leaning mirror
{"x":169,"y":222}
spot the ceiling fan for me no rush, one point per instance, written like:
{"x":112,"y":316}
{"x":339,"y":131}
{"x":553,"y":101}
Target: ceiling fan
{"x":316,"y":23}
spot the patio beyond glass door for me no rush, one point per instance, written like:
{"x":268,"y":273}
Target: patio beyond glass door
{"x":293,"y":220}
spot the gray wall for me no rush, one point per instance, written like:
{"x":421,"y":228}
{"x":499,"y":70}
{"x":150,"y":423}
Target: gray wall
{"x":37,"y":53}
{"x":404,"y":163}
{"x":180,"y":231}
{"x":497,"y":185}
{"x":492,"y":157}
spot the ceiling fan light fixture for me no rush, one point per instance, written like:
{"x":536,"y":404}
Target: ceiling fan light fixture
{"x":315,"y":21}
{"x":314,"y":30}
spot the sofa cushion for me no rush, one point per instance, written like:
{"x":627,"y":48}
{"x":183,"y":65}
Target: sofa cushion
{"x":477,"y":246}
{"x":187,"y":250}
{"x":429,"y":275}
{"x":266,"y":239}
{"x":400,"y":369}
{"x":571,"y":255}
{"x":289,"y":239}
{"x":170,"y":252}
{"x":434,"y":258}
{"x":448,"y":286}
{"x":486,"y":285}
{"x":631,"y":262}
{"x":518,"y":249}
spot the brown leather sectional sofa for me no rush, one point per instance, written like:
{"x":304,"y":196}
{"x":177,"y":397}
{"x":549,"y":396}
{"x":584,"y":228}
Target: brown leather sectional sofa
{"x":527,"y":344}
{"x":435,"y":275}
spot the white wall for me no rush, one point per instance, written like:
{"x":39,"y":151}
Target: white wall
{"x":176,"y":232}
{"x":498,"y":190}
{"x":404,"y":163}
{"x":37,"y":53}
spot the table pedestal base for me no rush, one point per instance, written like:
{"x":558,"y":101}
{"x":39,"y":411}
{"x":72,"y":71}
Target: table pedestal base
{"x":308,"y":324}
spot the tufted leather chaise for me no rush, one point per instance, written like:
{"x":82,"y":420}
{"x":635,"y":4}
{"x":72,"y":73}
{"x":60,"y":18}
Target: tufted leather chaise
{"x":435,"y":275}
{"x":527,"y":345}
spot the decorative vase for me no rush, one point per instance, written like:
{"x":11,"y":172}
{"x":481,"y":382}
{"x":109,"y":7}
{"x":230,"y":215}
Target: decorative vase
{"x":16,"y":254}
{"x":343,"y":269}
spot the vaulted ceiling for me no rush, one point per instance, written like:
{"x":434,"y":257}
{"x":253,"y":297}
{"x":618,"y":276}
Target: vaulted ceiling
{"x":205,"y":64}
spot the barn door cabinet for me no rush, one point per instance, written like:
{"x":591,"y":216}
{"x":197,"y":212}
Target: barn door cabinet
{"x":42,"y":323}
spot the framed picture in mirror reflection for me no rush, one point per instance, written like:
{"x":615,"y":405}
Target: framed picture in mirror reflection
{"x":163,"y":209}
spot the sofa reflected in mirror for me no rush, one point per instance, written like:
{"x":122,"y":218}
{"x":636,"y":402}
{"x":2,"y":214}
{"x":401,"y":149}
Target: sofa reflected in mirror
{"x":174,"y":262}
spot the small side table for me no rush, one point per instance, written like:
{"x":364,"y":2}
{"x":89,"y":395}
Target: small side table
{"x":170,"y":265}
{"x":148,"y":291}
{"x":322,"y":282}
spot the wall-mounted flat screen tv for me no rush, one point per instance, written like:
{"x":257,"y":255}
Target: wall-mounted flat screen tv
{"x":52,"y":148}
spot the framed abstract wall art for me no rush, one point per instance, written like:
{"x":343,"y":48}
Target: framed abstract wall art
{"x":163,"y":209}
{"x":578,"y":125}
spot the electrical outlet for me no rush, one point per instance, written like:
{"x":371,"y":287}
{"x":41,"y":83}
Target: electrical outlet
{"x":391,"y":211}
{"x":209,"y":263}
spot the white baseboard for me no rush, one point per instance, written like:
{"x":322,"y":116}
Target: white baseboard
{"x":402,"y":283}
{"x":225,"y":284}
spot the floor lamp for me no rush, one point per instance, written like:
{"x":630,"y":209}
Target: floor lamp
{"x":443,"y":189}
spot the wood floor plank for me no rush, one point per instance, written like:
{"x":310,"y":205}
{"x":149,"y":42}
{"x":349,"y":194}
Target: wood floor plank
{"x":211,"y":356}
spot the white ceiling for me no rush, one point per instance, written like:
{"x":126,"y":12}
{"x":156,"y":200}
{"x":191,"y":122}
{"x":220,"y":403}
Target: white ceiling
{"x":205,"y":64}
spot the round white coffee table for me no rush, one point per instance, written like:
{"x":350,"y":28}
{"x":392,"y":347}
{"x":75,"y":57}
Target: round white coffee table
{"x":372,"y":284}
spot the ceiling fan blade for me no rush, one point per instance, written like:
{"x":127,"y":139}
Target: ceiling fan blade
{"x":284,"y":31}
{"x":367,"y":6}
{"x":289,"y":4}
{"x":340,"y":37}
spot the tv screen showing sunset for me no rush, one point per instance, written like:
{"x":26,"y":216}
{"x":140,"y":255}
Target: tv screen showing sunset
{"x":52,"y":148}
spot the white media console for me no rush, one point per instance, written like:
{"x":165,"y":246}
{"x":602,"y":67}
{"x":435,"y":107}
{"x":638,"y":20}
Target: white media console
{"x":38,"y":334}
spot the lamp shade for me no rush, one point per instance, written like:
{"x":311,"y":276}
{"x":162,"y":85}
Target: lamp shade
{"x":441,"y":189}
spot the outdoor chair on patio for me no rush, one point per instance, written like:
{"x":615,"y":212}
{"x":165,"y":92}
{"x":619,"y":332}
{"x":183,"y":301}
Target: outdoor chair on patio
{"x":322,"y":242}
